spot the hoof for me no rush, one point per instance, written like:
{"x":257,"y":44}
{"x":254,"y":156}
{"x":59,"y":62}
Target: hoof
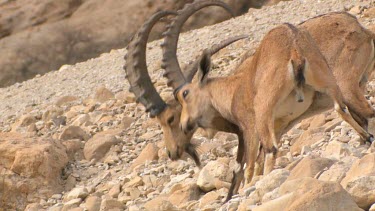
{"x":370,"y":139}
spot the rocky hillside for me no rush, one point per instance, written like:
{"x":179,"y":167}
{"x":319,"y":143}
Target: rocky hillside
{"x":37,"y":36}
{"x":74,"y":139}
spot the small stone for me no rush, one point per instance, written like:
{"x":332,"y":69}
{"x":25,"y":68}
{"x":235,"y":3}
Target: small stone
{"x":160,"y":203}
{"x":98,"y":146}
{"x":213,"y":172}
{"x":269,"y":183}
{"x":306,"y":150}
{"x":115,"y":191}
{"x":111,"y":204}
{"x":103,"y":94}
{"x":209,"y":198}
{"x":126,"y":122}
{"x":74,"y":132}
{"x":372,"y":208}
{"x":355,"y":10}
{"x":81,"y":119}
{"x":331,"y":125}
{"x":71,"y":204}
{"x":65,"y":100}
{"x":149,"y":153}
{"x":76,"y":193}
{"x":318,"y":121}
{"x":93,"y":203}
{"x":185,"y":193}
{"x":135,"y":182}
{"x":336,"y":150}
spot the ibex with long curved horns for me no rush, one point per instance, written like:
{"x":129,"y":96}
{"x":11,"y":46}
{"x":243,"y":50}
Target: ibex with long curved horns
{"x":168,"y":114}
{"x":259,"y":97}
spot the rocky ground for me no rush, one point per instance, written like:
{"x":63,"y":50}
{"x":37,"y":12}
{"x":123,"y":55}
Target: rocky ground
{"x":74,"y":139}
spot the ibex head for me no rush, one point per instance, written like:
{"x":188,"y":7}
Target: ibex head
{"x":168,"y":114}
{"x":195,"y":99}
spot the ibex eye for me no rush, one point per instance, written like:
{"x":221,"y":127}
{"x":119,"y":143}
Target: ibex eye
{"x":185,"y":93}
{"x":170,"y":120}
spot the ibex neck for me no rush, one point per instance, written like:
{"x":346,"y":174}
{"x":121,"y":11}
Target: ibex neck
{"x":221,"y":92}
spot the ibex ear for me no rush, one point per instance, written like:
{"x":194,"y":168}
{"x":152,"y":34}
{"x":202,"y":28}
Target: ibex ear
{"x":204,"y":67}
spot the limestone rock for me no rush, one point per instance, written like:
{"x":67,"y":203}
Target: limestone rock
{"x":336,"y":150}
{"x":65,"y":100}
{"x":310,"y":194}
{"x":74,"y":132}
{"x":209,"y":198}
{"x":338,"y":170}
{"x":149,"y":153}
{"x":307,"y":138}
{"x":160,"y":204}
{"x":97,"y":146}
{"x":103,"y":94}
{"x":310,"y":167}
{"x":111,"y":204}
{"x":268,"y":183}
{"x":76,"y":193}
{"x":93,"y":203}
{"x":360,"y":181}
{"x":183,"y":194}
{"x":71,"y":204}
{"x":213,"y":172}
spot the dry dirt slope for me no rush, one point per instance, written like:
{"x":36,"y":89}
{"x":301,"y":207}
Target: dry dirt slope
{"x":82,"y":78}
{"x":91,"y":139}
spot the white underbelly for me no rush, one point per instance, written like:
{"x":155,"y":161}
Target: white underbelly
{"x":290,"y":109}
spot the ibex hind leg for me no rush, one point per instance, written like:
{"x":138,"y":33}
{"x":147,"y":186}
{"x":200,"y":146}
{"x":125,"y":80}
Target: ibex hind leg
{"x":343,"y":111}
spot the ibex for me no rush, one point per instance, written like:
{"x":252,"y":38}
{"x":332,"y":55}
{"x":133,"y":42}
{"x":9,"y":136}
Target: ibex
{"x":168,"y":114}
{"x":172,"y":135}
{"x":259,"y":97}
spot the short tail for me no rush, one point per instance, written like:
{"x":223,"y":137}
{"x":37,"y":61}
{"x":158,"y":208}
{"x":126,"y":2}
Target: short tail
{"x":297,"y":69}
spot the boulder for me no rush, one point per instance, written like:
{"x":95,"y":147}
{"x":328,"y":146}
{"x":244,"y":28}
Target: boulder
{"x":30,"y":167}
{"x":360,"y":181}
{"x":310,"y":194}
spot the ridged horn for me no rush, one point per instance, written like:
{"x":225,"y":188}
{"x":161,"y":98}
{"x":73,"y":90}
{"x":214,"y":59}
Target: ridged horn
{"x":193,"y":67}
{"x":170,"y":62}
{"x":136,"y":67}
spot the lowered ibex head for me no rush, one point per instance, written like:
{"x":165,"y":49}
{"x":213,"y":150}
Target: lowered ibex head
{"x":168,"y":114}
{"x":141,"y":85}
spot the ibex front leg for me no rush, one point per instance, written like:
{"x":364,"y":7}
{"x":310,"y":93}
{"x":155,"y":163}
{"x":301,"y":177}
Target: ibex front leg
{"x":238,"y":173}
